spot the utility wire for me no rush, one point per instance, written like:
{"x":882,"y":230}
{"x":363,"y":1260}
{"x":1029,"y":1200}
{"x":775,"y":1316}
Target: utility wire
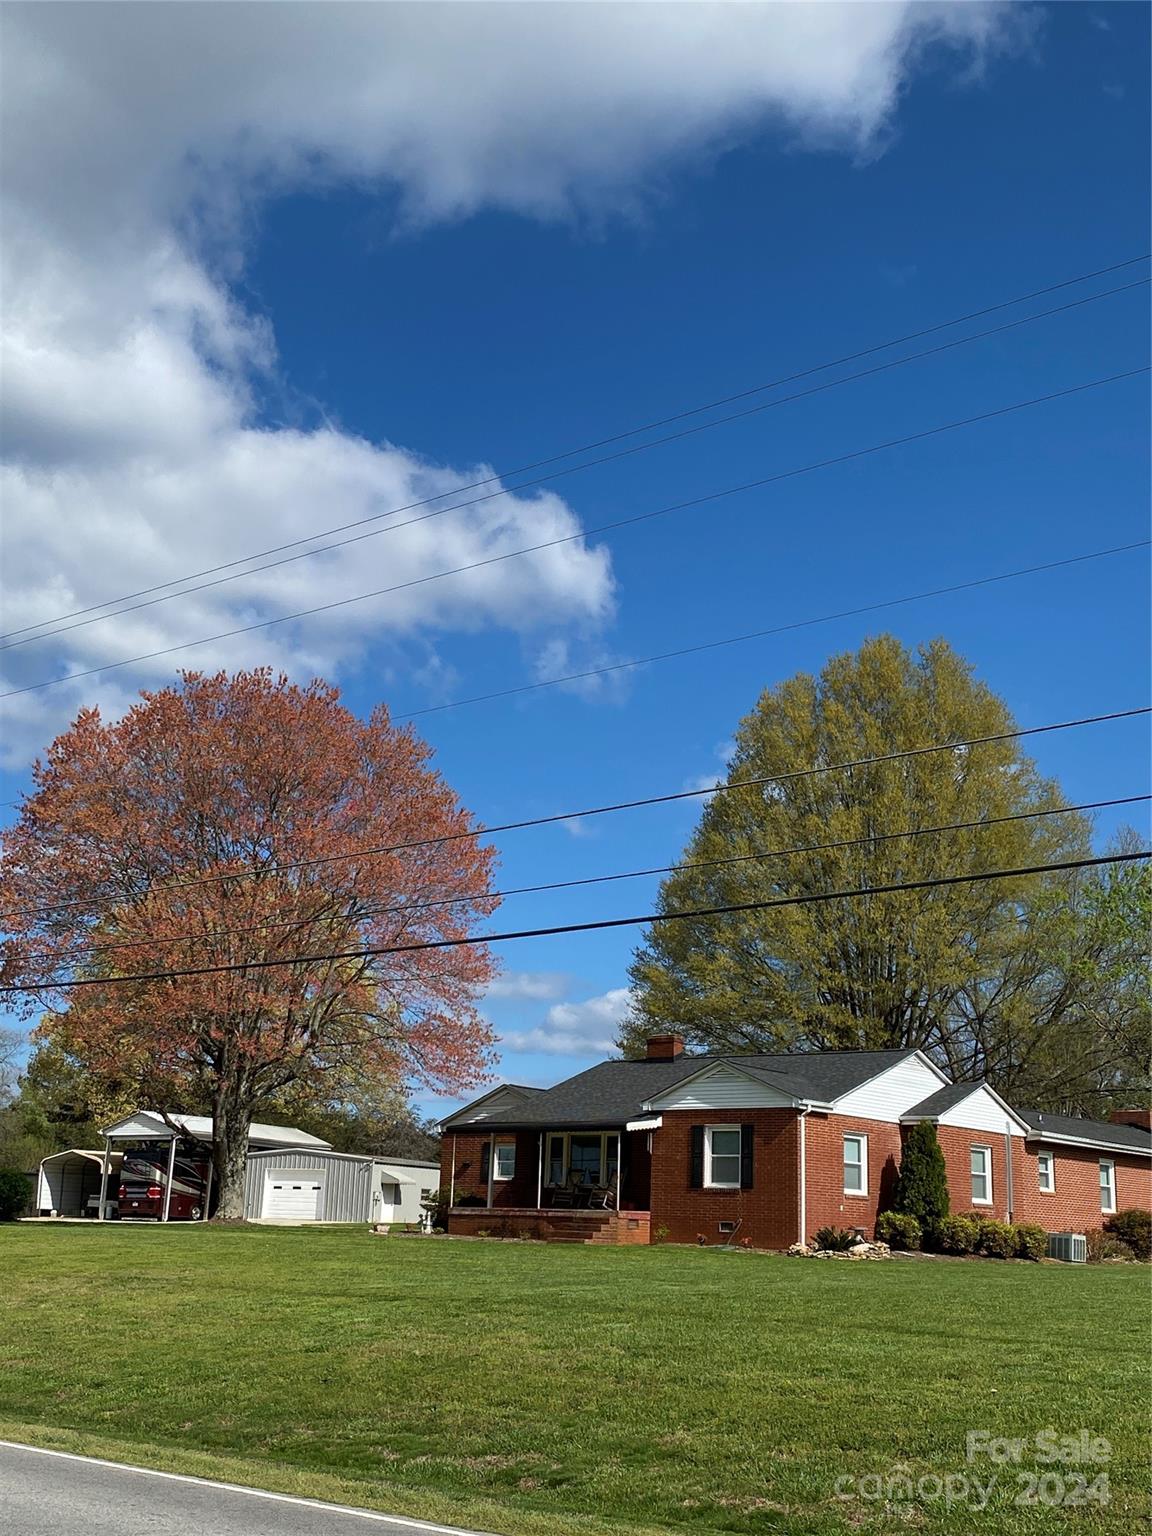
{"x":631,"y":874}
{"x":624,"y":522}
{"x":607,"y":441}
{"x":603,"y":923}
{"x":263,"y":871}
{"x":763,"y":634}
{"x":777,"y":629}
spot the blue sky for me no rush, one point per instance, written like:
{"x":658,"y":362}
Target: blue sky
{"x":320,"y":319}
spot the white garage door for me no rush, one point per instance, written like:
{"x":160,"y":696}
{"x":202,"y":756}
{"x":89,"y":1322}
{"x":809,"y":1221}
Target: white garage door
{"x":294,"y":1196}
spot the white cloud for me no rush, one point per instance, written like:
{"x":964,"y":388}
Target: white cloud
{"x":533,"y":986}
{"x":136,"y":144}
{"x":576,"y":1029}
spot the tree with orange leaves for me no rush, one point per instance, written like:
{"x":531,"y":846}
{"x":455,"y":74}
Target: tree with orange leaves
{"x":231,"y":820}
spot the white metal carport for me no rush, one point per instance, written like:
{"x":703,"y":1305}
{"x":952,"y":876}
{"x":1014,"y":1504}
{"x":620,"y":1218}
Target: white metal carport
{"x":68,"y":1183}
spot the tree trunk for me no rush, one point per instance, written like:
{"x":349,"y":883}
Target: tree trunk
{"x":229,"y":1156}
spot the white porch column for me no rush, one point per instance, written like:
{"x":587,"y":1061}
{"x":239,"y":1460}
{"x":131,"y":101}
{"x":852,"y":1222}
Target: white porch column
{"x":104,"y":1178}
{"x":168,"y":1181}
{"x":452,"y":1177}
{"x":619,"y":1164}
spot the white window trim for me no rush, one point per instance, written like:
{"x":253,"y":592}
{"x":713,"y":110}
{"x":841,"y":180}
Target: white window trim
{"x":709,"y":1181}
{"x":1109,"y":1163}
{"x":859,"y":1136}
{"x":1046,"y":1159}
{"x":978,"y":1146}
{"x":497,"y":1148}
{"x":609,"y":1141}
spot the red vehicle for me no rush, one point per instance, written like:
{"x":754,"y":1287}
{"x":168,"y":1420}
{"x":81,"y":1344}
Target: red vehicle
{"x":145,"y":1172}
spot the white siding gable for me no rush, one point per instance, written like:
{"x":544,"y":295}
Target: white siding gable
{"x":893,"y":1092}
{"x":980,"y":1112}
{"x":723,"y":1087}
{"x":498,"y":1106}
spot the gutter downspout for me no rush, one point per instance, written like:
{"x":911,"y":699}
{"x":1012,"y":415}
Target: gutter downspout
{"x":803,"y":1166}
{"x":1008,"y":1185}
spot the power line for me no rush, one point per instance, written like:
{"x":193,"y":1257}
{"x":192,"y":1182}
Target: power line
{"x":777,"y":629}
{"x":605,"y":442}
{"x":905,"y":753}
{"x":631,"y":874}
{"x":763,"y":634}
{"x":603,"y":923}
{"x":625,"y":522}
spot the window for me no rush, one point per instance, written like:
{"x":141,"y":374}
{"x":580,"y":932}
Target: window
{"x":594,"y":1154}
{"x":1107,"y":1185}
{"x":855,"y":1165}
{"x":722,"y":1156}
{"x":981,"y":1175}
{"x":505,"y":1160}
{"x":1046,"y":1172}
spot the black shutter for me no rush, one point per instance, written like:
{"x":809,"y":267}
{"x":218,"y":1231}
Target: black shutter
{"x":485,"y":1161}
{"x":746,"y":1156}
{"x":696,"y":1168}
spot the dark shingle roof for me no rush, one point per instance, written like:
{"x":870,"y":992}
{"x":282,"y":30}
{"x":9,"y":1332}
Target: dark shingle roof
{"x":943,"y":1099}
{"x":615,"y":1091}
{"x":1124,"y":1138}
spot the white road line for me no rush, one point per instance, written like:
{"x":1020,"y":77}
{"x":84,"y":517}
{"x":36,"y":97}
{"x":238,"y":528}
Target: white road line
{"x":254,"y":1493}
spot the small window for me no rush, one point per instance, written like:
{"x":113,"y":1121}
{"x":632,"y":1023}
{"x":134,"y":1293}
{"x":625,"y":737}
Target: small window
{"x":722,"y":1156}
{"x":505,"y":1160}
{"x":1107,"y":1185}
{"x":1046,"y":1172}
{"x":981,"y":1175}
{"x":855,"y":1165}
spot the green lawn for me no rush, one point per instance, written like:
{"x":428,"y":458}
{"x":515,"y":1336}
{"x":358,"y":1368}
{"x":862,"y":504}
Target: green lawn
{"x":535,"y":1389}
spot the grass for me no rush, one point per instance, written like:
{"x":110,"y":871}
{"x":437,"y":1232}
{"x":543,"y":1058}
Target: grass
{"x":543,"y":1390}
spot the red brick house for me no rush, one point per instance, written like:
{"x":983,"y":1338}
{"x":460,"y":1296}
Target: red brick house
{"x":769,"y":1149}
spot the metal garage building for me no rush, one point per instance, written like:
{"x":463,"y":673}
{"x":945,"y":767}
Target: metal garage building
{"x":287,"y":1184}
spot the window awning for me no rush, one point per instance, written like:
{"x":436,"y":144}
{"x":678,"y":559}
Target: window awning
{"x":652,"y":1123}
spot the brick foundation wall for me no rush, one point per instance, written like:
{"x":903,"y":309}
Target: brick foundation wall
{"x":1074,"y":1205}
{"x":603,"y":1228}
{"x":827,"y":1204}
{"x":767,"y":1212}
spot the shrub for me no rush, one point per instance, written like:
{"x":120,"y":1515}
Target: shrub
{"x":899,"y":1229}
{"x":1031,"y":1242}
{"x":1134,"y":1230}
{"x":996,"y":1239}
{"x":956,"y":1234}
{"x":836,"y":1239}
{"x":1103,"y":1245}
{"x":922,"y":1185}
{"x":14,"y":1192}
{"x":470,"y":1200}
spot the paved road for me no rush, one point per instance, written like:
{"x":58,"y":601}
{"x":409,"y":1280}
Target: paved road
{"x":44,"y":1493}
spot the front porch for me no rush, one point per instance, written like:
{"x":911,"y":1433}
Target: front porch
{"x":573,"y":1184}
{"x":546,"y":1225}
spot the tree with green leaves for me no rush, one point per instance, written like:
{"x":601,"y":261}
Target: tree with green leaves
{"x":922,"y":1185}
{"x":940,"y":969}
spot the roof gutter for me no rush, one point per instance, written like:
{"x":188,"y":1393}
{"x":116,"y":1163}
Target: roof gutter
{"x":1080,"y":1141}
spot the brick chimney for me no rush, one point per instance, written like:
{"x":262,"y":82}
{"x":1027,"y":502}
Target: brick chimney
{"x":664,"y":1047}
{"x":1140,"y":1117}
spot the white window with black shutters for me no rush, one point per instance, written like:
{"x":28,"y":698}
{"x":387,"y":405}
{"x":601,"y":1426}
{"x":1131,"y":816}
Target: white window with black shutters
{"x":721,"y":1157}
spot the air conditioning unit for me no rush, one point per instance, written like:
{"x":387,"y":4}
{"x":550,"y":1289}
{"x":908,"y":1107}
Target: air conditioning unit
{"x":1072,"y":1247}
